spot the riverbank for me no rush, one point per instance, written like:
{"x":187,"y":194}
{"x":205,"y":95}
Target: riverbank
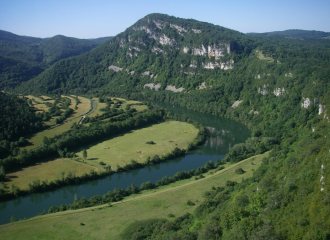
{"x":102,"y":222}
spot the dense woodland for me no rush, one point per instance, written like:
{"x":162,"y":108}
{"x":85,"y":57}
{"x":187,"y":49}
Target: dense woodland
{"x":273,"y":75}
{"x":22,"y":58}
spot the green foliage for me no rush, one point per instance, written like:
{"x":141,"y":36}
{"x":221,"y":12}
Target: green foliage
{"x":239,"y":171}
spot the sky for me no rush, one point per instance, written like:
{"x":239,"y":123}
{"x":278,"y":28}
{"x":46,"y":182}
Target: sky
{"x":101,"y":18}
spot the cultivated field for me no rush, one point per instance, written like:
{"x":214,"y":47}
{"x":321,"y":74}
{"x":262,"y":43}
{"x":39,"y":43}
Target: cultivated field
{"x":47,"y":171}
{"x":121,"y":149}
{"x":83,"y":107}
{"x":103,"y":222}
{"x":36,"y":140}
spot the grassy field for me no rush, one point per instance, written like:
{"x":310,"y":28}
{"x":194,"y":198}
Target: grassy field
{"x":103,"y":222}
{"x":123,"y":148}
{"x":98,"y":107}
{"x":47,"y":171}
{"x":36,"y":140}
{"x":263,"y":57}
{"x":83,"y":107}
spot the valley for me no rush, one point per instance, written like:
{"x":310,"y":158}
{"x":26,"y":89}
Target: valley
{"x":168,"y":95}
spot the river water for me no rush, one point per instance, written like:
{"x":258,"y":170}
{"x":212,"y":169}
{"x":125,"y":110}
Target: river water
{"x":224,"y":134}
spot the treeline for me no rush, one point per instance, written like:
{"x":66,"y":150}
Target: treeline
{"x":41,"y":186}
{"x":78,"y":136}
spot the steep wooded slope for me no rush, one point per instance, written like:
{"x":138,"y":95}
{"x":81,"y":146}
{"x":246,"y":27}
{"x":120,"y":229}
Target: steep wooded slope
{"x":23,"y":58}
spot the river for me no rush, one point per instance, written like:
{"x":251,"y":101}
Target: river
{"x":224,"y":134}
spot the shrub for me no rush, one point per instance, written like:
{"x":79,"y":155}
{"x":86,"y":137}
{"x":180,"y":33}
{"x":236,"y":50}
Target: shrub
{"x":239,"y":171}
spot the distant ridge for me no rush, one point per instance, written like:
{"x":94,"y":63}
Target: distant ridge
{"x":298,"y":33}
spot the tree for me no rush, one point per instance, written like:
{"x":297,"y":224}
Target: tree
{"x":84,"y":154}
{"x":2,"y":173}
{"x":12,"y":219}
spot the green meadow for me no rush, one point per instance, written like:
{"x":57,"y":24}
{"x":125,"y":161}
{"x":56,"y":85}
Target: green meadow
{"x":49,"y":170}
{"x":132,"y":145}
{"x":104,"y":222}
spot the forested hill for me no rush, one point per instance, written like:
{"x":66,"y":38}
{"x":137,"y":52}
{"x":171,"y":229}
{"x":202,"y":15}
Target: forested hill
{"x":22,"y":58}
{"x":278,"y":86}
{"x":156,"y":49}
{"x":297,"y":33}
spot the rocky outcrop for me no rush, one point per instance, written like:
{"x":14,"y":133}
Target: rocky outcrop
{"x":321,"y":109}
{"x":185,"y":49}
{"x":288,"y":74}
{"x":152,"y":86}
{"x":194,"y":64}
{"x":166,"y":40}
{"x":196,"y":30}
{"x":114,"y":68}
{"x":212,"y":50}
{"x":135,"y":48}
{"x":163,"y":39}
{"x":235,"y":104}
{"x":157,"y":50}
{"x":180,"y":29}
{"x":279,"y":91}
{"x":199,"y":51}
{"x":263,"y":90}
{"x":145,"y":73}
{"x":221,"y":65}
{"x":202,"y":86}
{"x":306,"y":103}
{"x":173,"y":89}
{"x":158,"y":23}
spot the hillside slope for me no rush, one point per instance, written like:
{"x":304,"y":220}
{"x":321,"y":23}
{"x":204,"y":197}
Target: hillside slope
{"x":23,"y":58}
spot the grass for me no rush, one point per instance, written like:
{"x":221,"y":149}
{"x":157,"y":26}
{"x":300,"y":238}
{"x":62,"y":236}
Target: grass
{"x":49,"y":170}
{"x":123,"y":148}
{"x":36,"y":140}
{"x":82,"y":108}
{"x":72,"y":105}
{"x":103,"y":222}
{"x":98,"y":107}
{"x":263,"y":57}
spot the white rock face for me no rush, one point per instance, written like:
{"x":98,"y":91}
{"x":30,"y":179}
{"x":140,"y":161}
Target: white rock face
{"x":166,"y":40}
{"x":200,"y":51}
{"x":145,"y":73}
{"x":114,"y":68}
{"x":212,"y":50}
{"x":180,"y":29}
{"x":135,"y":48}
{"x":122,"y":42}
{"x":279,"y":91}
{"x":152,"y":86}
{"x":321,"y":109}
{"x":173,"y":89}
{"x":221,"y":65}
{"x":202,"y":86}
{"x":193,"y":64}
{"x":288,"y":74}
{"x":158,"y":23}
{"x":306,"y":102}
{"x":196,"y":30}
{"x":254,"y":112}
{"x":162,"y":39}
{"x":215,"y":52}
{"x":185,"y":49}
{"x":263,"y":90}
{"x":235,"y":104}
{"x":157,"y":50}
